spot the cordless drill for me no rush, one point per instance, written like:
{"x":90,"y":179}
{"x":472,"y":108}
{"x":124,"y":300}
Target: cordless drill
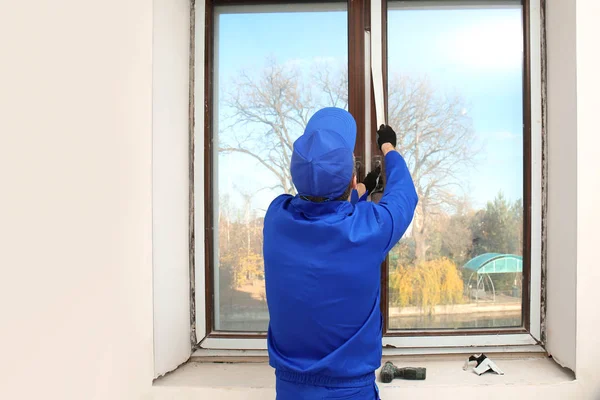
{"x":390,"y":371}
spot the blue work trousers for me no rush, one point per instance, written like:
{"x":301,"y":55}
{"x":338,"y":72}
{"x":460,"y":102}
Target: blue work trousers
{"x":300,"y":391}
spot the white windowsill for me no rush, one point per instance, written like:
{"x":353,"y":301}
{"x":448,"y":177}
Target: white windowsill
{"x":444,"y":375}
{"x":411,"y":345}
{"x":261,"y":355}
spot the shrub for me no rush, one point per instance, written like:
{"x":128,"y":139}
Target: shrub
{"x":426,"y":285}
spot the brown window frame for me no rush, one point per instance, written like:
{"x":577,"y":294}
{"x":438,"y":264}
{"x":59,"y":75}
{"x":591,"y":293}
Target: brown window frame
{"x":356,"y":105}
{"x":358,"y":23}
{"x":526,"y":292}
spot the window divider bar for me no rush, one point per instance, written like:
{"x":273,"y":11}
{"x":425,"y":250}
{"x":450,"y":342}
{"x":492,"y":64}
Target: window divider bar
{"x":537,"y":187}
{"x":527,"y":159}
{"x":208,"y":166}
{"x":356,"y":73}
{"x":454,"y":4}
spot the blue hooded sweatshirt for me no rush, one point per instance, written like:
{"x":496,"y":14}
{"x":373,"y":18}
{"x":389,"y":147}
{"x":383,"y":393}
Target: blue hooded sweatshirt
{"x":323,"y":277}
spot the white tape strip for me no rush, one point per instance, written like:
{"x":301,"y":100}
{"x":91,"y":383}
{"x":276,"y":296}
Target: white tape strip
{"x":368,"y":116}
{"x":376,"y":60}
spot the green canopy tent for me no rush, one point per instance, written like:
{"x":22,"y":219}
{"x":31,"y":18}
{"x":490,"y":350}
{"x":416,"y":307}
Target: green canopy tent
{"x":486,"y":264}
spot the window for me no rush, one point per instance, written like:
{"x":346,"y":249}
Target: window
{"x":455,"y":96}
{"x":459,"y":92}
{"x":266,"y":88}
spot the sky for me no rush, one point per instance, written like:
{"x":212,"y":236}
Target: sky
{"x":474,"y":52}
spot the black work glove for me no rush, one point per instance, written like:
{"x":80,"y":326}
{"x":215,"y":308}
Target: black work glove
{"x":386,"y":134}
{"x":370,"y":181}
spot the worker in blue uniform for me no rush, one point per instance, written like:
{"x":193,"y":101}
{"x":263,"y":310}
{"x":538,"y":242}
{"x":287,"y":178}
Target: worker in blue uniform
{"x":323,"y":249}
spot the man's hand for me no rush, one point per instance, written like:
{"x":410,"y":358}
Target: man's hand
{"x":370,"y":180}
{"x":386,"y":134}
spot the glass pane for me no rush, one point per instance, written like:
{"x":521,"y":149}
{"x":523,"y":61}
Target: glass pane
{"x":273,"y":70}
{"x":456,"y":101}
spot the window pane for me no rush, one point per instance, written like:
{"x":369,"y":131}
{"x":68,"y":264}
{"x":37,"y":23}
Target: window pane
{"x":273,"y":69}
{"x":456,"y":100}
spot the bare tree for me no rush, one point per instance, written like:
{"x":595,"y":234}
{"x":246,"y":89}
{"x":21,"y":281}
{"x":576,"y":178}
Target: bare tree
{"x":271,"y":110}
{"x":436,"y":137}
{"x":333,"y":84}
{"x":435,"y":134}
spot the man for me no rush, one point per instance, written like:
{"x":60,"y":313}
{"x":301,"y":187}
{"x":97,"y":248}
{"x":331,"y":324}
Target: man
{"x":323,"y":250}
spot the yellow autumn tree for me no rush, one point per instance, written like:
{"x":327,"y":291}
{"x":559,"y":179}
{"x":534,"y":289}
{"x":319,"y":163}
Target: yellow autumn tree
{"x":426,"y":285}
{"x":248,"y":269}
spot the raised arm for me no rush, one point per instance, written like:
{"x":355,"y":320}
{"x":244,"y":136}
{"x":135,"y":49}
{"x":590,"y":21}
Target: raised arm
{"x":399,"y":197}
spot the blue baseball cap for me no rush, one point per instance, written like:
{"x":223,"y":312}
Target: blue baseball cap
{"x":323,"y":157}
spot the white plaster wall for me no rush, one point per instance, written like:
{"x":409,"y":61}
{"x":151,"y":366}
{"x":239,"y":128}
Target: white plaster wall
{"x":170,"y":94}
{"x":76,"y":193}
{"x":562,"y":181}
{"x":588,"y":196}
{"x":75,"y":199}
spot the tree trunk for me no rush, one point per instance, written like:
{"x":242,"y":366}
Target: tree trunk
{"x":419,"y":234}
{"x":421,"y":246}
